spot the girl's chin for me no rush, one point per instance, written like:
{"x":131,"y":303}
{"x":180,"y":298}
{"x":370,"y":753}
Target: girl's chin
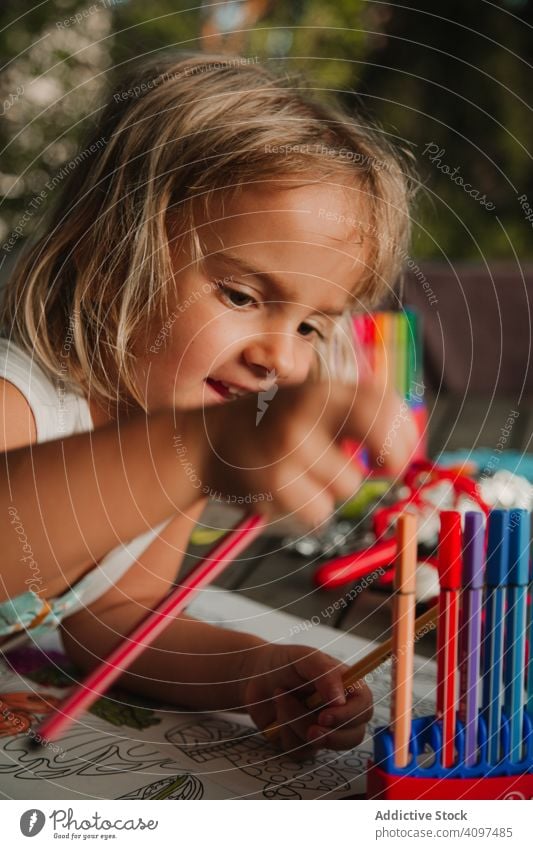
{"x":205,"y":398}
{"x":212,"y":402}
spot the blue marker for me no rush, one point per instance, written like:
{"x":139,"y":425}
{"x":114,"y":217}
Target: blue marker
{"x":496,"y":577}
{"x":515,"y":629}
{"x":530,"y":641}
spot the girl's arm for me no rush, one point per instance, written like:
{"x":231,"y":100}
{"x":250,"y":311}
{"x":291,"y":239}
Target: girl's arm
{"x":196,"y":665}
{"x":192,"y":663}
{"x":77,"y":498}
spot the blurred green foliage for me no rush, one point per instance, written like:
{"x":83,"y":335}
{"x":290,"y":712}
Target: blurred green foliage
{"x":462,"y":82}
{"x":50,"y":83}
{"x":456,"y":77}
{"x":316,"y":39}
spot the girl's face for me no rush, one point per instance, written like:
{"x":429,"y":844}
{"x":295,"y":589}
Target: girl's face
{"x":279,"y":267}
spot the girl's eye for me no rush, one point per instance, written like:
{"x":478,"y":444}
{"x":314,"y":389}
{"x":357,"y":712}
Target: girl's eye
{"x":308,"y":329}
{"x":236,"y":297}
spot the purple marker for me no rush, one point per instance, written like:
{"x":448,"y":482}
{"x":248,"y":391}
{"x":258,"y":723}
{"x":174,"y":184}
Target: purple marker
{"x":470,"y":630}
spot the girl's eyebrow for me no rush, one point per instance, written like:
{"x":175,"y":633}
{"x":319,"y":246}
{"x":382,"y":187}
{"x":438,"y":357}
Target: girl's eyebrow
{"x":270,"y":281}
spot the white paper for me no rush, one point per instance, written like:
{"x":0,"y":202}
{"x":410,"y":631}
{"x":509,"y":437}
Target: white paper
{"x":132,"y":751}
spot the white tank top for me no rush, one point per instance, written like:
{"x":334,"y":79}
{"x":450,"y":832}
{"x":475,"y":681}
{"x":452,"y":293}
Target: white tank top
{"x":59,"y":413}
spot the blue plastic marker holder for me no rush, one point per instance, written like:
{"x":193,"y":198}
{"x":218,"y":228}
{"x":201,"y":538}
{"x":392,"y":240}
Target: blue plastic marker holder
{"x":425,"y":777}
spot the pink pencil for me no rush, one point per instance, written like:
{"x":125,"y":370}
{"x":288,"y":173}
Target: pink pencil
{"x":146,"y":632}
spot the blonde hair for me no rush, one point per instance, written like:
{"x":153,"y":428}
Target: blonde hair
{"x":178,"y":130}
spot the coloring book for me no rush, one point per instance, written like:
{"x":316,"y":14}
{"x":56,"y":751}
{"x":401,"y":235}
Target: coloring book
{"x":127,"y":747}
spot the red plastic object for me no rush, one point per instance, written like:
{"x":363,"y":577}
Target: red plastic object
{"x":383,"y":785}
{"x":418,"y":479}
{"x":353,"y":567}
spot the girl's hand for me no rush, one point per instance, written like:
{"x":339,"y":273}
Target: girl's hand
{"x":289,"y":461}
{"x":276,"y":681}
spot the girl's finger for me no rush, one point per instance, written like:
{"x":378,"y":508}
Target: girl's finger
{"x":325,"y":673}
{"x":293,"y":714}
{"x":358,"y":710}
{"x":263,"y":712}
{"x":333,"y":470}
{"x":383,"y":421}
{"x":302,"y":498}
{"x":291,"y":742}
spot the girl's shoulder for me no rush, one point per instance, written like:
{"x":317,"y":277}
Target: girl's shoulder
{"x":57,"y":410}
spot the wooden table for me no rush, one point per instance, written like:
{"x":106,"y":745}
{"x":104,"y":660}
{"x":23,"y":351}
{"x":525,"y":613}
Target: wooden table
{"x":283,"y":581}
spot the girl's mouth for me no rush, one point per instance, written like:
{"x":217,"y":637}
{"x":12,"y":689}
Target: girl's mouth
{"x":227,"y":391}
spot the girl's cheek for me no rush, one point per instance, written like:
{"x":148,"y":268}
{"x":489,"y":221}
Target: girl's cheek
{"x":305,"y":359}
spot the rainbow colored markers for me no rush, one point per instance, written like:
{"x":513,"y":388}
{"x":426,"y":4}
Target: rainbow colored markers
{"x":487,"y":752}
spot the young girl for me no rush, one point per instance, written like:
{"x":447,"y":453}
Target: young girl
{"x":216,"y":232}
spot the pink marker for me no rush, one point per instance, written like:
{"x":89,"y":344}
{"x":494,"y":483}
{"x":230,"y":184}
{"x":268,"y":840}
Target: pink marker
{"x":470,"y":633}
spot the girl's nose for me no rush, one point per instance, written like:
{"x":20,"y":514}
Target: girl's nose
{"x":272,"y":352}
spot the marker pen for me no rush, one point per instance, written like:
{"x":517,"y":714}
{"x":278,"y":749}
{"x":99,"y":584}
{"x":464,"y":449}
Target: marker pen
{"x":496,"y":578}
{"x":403,"y":636}
{"x":470,"y":631}
{"x":450,"y":561}
{"x":515,"y":628}
{"x":530,"y":644}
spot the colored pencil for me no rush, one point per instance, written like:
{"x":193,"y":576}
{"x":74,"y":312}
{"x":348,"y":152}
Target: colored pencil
{"x":413,"y":350}
{"x":98,"y":681}
{"x":470,"y":632}
{"x":389,"y":344}
{"x":403,"y":637}
{"x":493,"y":638}
{"x":515,"y":629}
{"x":370,"y":340}
{"x":391,"y":352}
{"x":356,"y":673}
{"x":363,"y":347}
{"x":381,"y":364}
{"x":447,"y":633}
{"x":401,"y":354}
